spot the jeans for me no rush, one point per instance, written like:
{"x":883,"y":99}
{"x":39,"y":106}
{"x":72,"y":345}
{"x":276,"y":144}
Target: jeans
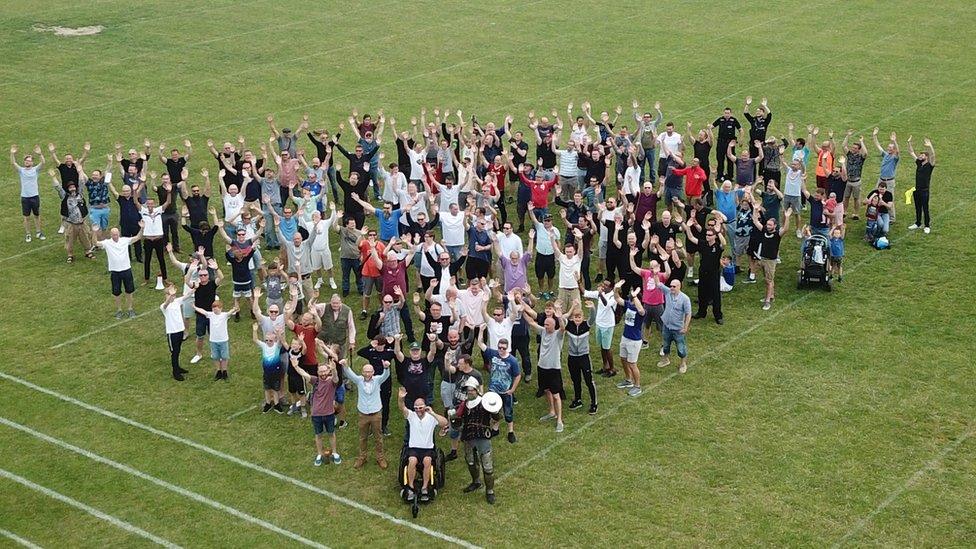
{"x":649,"y":158}
{"x":351,"y":264}
{"x":520,"y":346}
{"x":171,"y":229}
{"x":676,"y":337}
{"x":333,"y":184}
{"x":884,"y":222}
{"x":374,"y":176}
{"x":270,"y":234}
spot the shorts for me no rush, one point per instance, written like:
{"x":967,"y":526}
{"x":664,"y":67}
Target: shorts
{"x":120,"y":278}
{"x":295,"y":382}
{"x":272,"y":380}
{"x":220,"y":350}
{"x":99,"y":217}
{"x":321,"y":260}
{"x":187,"y":308}
{"x":769,"y":269}
{"x":322,"y":424}
{"x":420,"y":453}
{"x":202,"y":326}
{"x":551,"y":380}
{"x":340,"y":393}
{"x":604,"y":337}
{"x":545,"y":266}
{"x":447,"y":394}
{"x":31,"y":205}
{"x":243,"y":290}
{"x":370,"y":282}
{"x":853,"y":190}
{"x":630,"y":349}
{"x":792,"y":202}
{"x":822,"y":182}
{"x":836,"y":261}
{"x":662,"y":167}
{"x":739,"y":244}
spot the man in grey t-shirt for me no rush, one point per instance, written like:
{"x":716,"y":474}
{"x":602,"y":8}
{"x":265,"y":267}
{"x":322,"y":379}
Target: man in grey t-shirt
{"x":550,"y":361}
{"x":30,"y":199}
{"x":676,"y":320}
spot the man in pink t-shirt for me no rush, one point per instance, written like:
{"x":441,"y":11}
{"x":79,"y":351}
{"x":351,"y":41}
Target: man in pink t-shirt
{"x":652,"y":297}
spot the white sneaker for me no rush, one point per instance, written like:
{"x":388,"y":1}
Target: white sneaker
{"x":548,"y":417}
{"x":61,"y":229}
{"x":926,"y":230}
{"x":332,"y":283}
{"x":559,"y":427}
{"x":661,"y":352}
{"x":319,"y":283}
{"x":27,"y":237}
{"x":912,"y":227}
{"x":40,"y":236}
{"x":195,"y":359}
{"x":766,"y":305}
{"x":799,"y":233}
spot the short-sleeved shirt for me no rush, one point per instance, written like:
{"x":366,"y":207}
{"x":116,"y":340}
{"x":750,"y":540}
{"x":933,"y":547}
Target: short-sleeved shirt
{"x":117,"y":254}
{"x":651,"y":294}
{"x":366,"y":257}
{"x":323,"y":395}
{"x":889,"y":164}
{"x":270,"y":356}
{"x":923,"y":175}
{"x":421,"y":430}
{"x":503,"y":371}
{"x":633,"y":321}
{"x":307,"y":333}
{"x":676,"y":309}
{"x":28,"y":181}
{"x":413,"y":376}
{"x":389,"y":226}
{"x":550,"y":348}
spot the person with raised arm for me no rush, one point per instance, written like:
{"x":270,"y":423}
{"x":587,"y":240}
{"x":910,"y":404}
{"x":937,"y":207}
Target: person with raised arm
{"x":924,"y":164}
{"x":30,"y":196}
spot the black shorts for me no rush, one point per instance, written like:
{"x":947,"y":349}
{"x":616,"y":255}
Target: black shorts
{"x":662,"y":167}
{"x":30,"y":205}
{"x":120,"y":278}
{"x":420,"y":453}
{"x":202,"y":326}
{"x":272,"y":380}
{"x":545,"y":265}
{"x":295,"y":382}
{"x":551,"y":380}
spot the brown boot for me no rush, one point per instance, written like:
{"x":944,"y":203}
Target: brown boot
{"x":381,"y":461}
{"x":360,"y":461}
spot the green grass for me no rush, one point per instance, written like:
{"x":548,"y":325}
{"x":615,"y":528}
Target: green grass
{"x":834,"y":417}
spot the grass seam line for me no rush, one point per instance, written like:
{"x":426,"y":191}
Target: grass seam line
{"x":241,"y":462}
{"x":17,"y":539}
{"x":102,"y":329}
{"x":113,"y":520}
{"x":161,"y":483}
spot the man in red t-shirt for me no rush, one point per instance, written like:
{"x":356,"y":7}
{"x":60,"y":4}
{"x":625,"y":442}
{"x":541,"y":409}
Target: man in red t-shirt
{"x":695,"y":179}
{"x":305,"y":329}
{"x":539,"y":188}
{"x":371,"y":271}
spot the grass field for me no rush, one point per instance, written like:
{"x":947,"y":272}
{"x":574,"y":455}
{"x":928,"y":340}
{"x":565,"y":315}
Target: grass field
{"x":842,"y":418}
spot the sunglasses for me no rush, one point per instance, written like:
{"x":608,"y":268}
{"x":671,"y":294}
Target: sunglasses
{"x":388,"y":302}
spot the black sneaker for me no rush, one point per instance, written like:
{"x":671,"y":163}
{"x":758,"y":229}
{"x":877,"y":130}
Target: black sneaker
{"x":178,"y":376}
{"x":386,"y":433}
{"x":451,"y":456}
{"x":598,"y":279}
{"x":237,"y":316}
{"x":279,"y":408}
{"x":182,"y":371}
{"x":471,"y":487}
{"x":490,"y":497}
{"x":342,"y":424}
{"x":224,"y":376}
{"x":218,"y":375}
{"x":511,"y":437}
{"x":592,"y":411}
{"x":719,"y":321}
{"x":267,"y":407}
{"x":363,"y":314}
{"x":576,"y":404}
{"x":494,"y":433}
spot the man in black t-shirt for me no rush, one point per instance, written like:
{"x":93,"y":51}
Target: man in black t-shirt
{"x":885,"y":203}
{"x":709,"y":269}
{"x":414,"y":370}
{"x":176,"y":162}
{"x":768,"y":250}
{"x":728,"y":131}
{"x":924,"y":164}
{"x":204,"y":295}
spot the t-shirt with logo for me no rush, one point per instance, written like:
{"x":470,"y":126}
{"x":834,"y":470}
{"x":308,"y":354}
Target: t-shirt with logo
{"x":633,"y":321}
{"x":503,"y":371}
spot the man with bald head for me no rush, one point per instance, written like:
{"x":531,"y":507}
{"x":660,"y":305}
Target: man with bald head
{"x":370,"y":410}
{"x":676,"y":320}
{"x":420,"y":446}
{"x":120,"y":266}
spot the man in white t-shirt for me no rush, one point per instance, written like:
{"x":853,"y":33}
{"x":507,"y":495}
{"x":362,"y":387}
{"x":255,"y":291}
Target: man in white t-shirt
{"x":569,"y":269}
{"x":673,"y":141}
{"x":500,"y":325}
{"x":120,"y":267}
{"x":420,"y":446}
{"x":172,"y":308}
{"x":219,"y":338}
{"x":606,"y":308}
{"x":321,"y":248}
{"x":30,"y":199}
{"x":233,"y":204}
{"x":453,"y":226}
{"x":508,"y":241}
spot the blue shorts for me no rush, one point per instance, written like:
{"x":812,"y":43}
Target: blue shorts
{"x":99,"y":217}
{"x":202,"y":325}
{"x":323,"y":423}
{"x":340,"y":394}
{"x":220,"y":350}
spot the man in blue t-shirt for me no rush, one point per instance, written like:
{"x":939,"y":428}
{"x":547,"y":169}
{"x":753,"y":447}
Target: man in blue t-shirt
{"x":631,"y":342}
{"x":505,"y":376}
{"x":388,"y":218}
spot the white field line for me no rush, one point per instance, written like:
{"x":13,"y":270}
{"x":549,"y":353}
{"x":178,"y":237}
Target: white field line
{"x":693,"y":363}
{"x":17,"y":539}
{"x":114,"y":521}
{"x":162,"y":483}
{"x":250,"y":69}
{"x":244,"y":411}
{"x":103,"y":328}
{"x":30,"y":251}
{"x":242,"y":463}
{"x":187,"y":46}
{"x":909,"y":482}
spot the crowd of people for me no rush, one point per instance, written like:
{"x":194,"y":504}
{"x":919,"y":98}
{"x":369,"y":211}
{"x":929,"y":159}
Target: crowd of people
{"x":614,"y":216}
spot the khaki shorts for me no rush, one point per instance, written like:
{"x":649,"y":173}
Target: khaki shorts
{"x":853,"y":190}
{"x":769,"y":268}
{"x":567,"y":296}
